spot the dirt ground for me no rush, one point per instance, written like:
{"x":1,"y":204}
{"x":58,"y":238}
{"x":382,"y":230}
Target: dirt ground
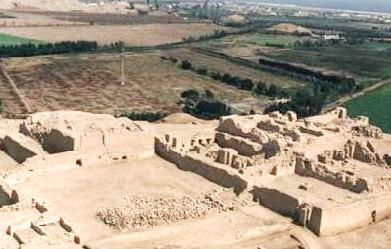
{"x":133,"y":35}
{"x":22,"y":19}
{"x":246,"y":227}
{"x":92,"y":83}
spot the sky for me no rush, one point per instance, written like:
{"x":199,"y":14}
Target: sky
{"x":361,"y":5}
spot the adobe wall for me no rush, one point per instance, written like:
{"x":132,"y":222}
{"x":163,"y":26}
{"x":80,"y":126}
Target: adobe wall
{"x":325,"y":221}
{"x":277,"y":201}
{"x":354,"y":215}
{"x":310,"y":168}
{"x":244,"y":146}
{"x":222,"y":175}
{"x":8,"y":196}
{"x":16,"y":150}
{"x":56,"y":141}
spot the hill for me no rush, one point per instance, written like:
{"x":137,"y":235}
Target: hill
{"x":291,"y":29}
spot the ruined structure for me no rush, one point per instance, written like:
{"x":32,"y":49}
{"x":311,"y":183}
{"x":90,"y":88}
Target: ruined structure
{"x":80,"y":180}
{"x":329,"y":173}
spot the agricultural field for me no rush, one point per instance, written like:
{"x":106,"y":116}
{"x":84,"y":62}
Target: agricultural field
{"x":221,"y":65}
{"x":132,"y":35}
{"x":14,"y":40}
{"x":367,"y":62}
{"x":376,"y":105}
{"x":129,"y":18}
{"x":92,"y":83}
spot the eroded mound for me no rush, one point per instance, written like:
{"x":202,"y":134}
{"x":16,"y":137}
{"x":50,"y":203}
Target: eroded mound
{"x":73,"y":130}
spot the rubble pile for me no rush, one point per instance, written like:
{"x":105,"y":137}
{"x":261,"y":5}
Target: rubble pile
{"x":145,"y":212}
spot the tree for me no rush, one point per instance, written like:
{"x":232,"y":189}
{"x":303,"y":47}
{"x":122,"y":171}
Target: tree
{"x":272,"y":91}
{"x":303,"y":102}
{"x":186,"y":65}
{"x":203,"y":105}
{"x":190,"y":94}
{"x":247,"y":84}
{"x":211,"y":109}
{"x":209,"y":94}
{"x":261,"y":88}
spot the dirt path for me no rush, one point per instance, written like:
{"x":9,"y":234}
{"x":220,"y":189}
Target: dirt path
{"x":347,"y":98}
{"x":15,"y":103}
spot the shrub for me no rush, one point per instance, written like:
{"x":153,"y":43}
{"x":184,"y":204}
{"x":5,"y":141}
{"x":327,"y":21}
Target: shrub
{"x":202,"y":71}
{"x":186,"y":65}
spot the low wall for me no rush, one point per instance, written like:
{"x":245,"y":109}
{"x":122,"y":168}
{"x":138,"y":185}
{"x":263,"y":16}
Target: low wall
{"x":352,"y":216}
{"x":220,"y":174}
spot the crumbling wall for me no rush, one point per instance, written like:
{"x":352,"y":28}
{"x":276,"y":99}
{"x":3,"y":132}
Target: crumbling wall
{"x":323,"y":172}
{"x":277,"y":201}
{"x":244,"y":146}
{"x":366,"y":153}
{"x":361,"y":127}
{"x":62,"y":131}
{"x":311,"y":131}
{"x":212,"y":171}
{"x":387,"y":158}
{"x":55,"y":142}
{"x":234,"y":126}
{"x":20,"y":147}
{"x":8,"y":196}
{"x":273,"y":148}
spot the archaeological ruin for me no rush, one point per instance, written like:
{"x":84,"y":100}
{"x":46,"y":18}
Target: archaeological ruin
{"x":80,"y":180}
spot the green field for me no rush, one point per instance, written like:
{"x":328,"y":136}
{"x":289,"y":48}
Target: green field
{"x":14,"y":40}
{"x":366,"y":62}
{"x":265,"y":39}
{"x":376,"y":105}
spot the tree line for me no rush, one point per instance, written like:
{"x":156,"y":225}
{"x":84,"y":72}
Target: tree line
{"x":305,"y":102}
{"x":259,"y":87}
{"x":325,"y":82}
{"x":32,"y":49}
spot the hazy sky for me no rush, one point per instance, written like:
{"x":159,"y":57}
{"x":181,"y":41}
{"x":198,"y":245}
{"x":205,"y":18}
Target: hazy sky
{"x":364,"y":5}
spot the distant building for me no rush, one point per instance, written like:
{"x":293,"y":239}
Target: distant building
{"x":332,"y":37}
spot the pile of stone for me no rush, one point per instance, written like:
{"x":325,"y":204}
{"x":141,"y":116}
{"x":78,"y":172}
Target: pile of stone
{"x":146,"y":212}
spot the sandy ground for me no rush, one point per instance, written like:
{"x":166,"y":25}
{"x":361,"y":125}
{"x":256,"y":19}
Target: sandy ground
{"x":74,"y":195}
{"x":154,"y":177}
{"x":134,"y":35}
{"x":7,"y":163}
{"x":29,"y":19}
